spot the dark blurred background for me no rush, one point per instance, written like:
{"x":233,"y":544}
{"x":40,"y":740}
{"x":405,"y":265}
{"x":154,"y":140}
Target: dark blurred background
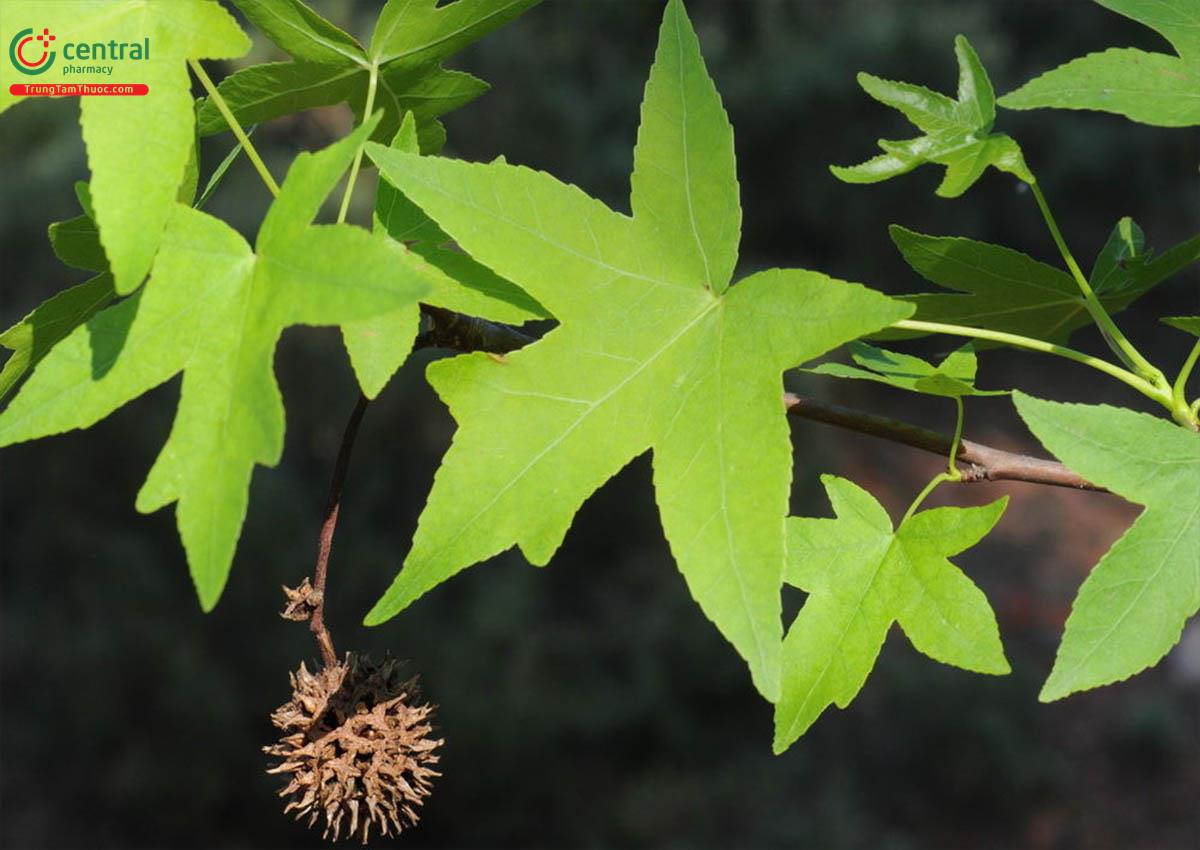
{"x":591,"y":704}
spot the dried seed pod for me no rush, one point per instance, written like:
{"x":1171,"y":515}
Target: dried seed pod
{"x":356,"y":743}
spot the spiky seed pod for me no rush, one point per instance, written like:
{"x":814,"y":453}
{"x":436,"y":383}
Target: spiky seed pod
{"x":356,"y":743}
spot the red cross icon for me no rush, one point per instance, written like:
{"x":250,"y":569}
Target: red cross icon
{"x":45,"y":38}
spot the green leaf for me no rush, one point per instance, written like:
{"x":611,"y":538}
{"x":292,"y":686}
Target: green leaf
{"x":953,"y":377}
{"x":76,"y":241}
{"x":214,"y":309}
{"x":1132,"y":608}
{"x":411,"y":38}
{"x":412,"y":33}
{"x":1188,"y":324}
{"x":1153,"y":88}
{"x":1012,"y":292}
{"x":380,"y":345}
{"x":957,"y":133}
{"x":136,"y":174}
{"x":302,"y":32}
{"x":651,"y":352}
{"x":31,"y":338}
{"x":861,"y":576}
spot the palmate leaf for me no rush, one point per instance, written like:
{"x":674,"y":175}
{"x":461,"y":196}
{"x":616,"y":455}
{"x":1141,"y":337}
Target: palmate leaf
{"x":1131,"y":609}
{"x":953,"y":377}
{"x":214,"y":309}
{"x":957,"y":133}
{"x":1153,"y":88}
{"x":1010,"y":291}
{"x":411,"y":38}
{"x":862,"y":575}
{"x":653,"y":350}
{"x":379,"y":346}
{"x":136,"y":174}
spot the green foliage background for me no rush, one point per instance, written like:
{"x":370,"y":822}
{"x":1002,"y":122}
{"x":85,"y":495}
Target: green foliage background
{"x":592,"y":704}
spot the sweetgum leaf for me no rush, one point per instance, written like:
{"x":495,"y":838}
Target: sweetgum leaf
{"x":957,"y":133}
{"x":651,"y":352}
{"x":214,"y":309}
{"x":1131,"y":609}
{"x":411,"y":38}
{"x":379,"y":346}
{"x":136,"y":173}
{"x":862,"y":575}
{"x":953,"y":377}
{"x":1010,"y":291}
{"x":1153,"y":88}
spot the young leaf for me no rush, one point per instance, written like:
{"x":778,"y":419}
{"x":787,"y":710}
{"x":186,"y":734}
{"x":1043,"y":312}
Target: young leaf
{"x":652,"y":352}
{"x":379,"y":346}
{"x":1010,"y":291}
{"x":957,"y":133}
{"x":861,"y":576}
{"x":214,"y":309}
{"x":136,"y":172}
{"x":411,"y":38}
{"x":953,"y":377}
{"x":1132,"y":608}
{"x":1153,"y":88}
{"x":76,"y":241}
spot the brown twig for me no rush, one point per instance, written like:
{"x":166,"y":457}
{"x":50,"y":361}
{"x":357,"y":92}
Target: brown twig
{"x":316,"y":623}
{"x":983,"y":463}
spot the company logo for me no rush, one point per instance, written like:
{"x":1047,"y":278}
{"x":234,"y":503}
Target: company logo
{"x":24,"y":54}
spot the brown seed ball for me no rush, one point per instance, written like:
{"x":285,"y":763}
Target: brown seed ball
{"x":357,"y":748}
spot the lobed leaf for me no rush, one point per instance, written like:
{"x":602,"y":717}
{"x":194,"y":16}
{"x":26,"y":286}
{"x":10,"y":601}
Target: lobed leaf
{"x":214,"y":309}
{"x":653,"y":351}
{"x":862,"y":575}
{"x":1007,"y":290}
{"x":411,"y":38}
{"x":957,"y":133}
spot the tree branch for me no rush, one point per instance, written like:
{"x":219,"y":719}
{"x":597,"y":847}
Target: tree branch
{"x":316,"y":622}
{"x":983,"y":463}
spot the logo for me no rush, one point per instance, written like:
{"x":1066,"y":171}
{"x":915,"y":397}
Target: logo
{"x":23,"y":54}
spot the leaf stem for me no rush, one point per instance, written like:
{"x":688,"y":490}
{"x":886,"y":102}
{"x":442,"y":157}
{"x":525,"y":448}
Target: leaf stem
{"x":371,"y":86}
{"x":1123,"y":375}
{"x":1179,"y":392}
{"x":955,"y":473}
{"x":227,"y":114}
{"x":940,"y":478}
{"x":1116,"y":340}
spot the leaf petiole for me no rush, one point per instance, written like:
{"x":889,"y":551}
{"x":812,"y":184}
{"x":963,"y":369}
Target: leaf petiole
{"x":372,"y":83}
{"x":1123,"y":375}
{"x":1179,"y":394}
{"x":1116,"y":340}
{"x":940,"y":478}
{"x":227,"y":114}
{"x":954,"y":472}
